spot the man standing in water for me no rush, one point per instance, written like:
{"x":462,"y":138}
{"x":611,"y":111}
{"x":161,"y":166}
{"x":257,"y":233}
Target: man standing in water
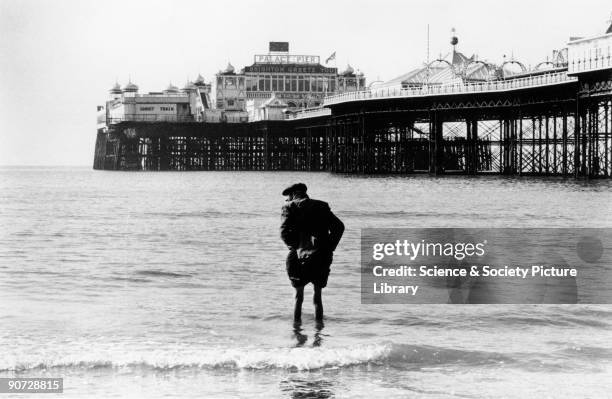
{"x":311,"y":232}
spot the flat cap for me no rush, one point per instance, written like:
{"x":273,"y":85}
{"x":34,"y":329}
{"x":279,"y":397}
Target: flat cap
{"x":301,"y":187}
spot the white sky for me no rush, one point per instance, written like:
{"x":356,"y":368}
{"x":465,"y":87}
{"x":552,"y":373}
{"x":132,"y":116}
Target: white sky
{"x":59,"y":58}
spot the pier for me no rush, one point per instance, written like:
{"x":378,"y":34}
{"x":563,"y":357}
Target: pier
{"x":552,"y":122}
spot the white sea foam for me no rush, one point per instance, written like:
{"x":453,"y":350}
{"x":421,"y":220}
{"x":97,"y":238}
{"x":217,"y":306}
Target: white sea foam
{"x":246,"y":358}
{"x":300,"y":358}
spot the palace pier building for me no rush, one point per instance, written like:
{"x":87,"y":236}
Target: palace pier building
{"x":298,"y":81}
{"x":458,"y":114}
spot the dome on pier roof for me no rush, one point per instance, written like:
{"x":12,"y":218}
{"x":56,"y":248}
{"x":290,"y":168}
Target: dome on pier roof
{"x":130,"y":87}
{"x":229,"y":68}
{"x":512,"y":67}
{"x":199,"y":81}
{"x":359,"y":73}
{"x":188,"y":86}
{"x":116,"y":89}
{"x":171,"y":89}
{"x":544,"y":65}
{"x":349,"y":70}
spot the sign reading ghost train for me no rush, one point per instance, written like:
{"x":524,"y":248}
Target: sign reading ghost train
{"x":287,"y":59}
{"x":279,"y":46}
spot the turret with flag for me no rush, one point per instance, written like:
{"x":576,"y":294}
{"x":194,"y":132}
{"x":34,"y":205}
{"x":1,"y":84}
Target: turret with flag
{"x":331,"y":57}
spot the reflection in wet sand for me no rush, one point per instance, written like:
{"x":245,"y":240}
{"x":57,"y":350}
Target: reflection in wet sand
{"x":299,"y":386}
{"x":303,"y":388}
{"x":318,"y":337}
{"x":297,"y":334}
{"x":302,"y":338}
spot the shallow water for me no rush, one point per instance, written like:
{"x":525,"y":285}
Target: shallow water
{"x":163,"y":284}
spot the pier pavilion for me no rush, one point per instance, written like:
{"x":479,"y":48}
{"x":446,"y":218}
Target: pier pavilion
{"x":301,"y":81}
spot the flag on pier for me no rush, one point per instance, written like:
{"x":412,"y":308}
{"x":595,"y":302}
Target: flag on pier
{"x":331,"y":57}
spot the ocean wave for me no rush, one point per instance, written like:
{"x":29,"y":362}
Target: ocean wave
{"x":299,"y":358}
{"x":588,"y":352}
{"x":130,"y":279}
{"x":559,"y":320}
{"x":202,"y":214}
{"x":161,"y":273}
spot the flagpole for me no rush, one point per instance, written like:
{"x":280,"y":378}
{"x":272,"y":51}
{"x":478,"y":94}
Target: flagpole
{"x":332,"y":57}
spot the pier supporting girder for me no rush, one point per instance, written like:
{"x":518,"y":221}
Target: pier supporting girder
{"x":593,"y":156}
{"x":364,"y":143}
{"x":472,"y":163}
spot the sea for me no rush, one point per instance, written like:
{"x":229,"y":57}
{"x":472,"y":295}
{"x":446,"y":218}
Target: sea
{"x":173,"y":284}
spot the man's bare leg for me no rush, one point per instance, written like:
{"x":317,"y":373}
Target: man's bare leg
{"x":318,"y":303}
{"x":299,"y":298}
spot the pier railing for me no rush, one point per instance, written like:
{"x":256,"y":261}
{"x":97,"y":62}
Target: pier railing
{"x":458,"y":88}
{"x":150,"y":118}
{"x":310,"y":113}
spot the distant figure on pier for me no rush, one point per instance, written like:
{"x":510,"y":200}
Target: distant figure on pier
{"x":311,"y":232}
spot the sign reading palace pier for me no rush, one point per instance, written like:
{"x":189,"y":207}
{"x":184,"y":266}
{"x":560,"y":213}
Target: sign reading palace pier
{"x":286,"y":59}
